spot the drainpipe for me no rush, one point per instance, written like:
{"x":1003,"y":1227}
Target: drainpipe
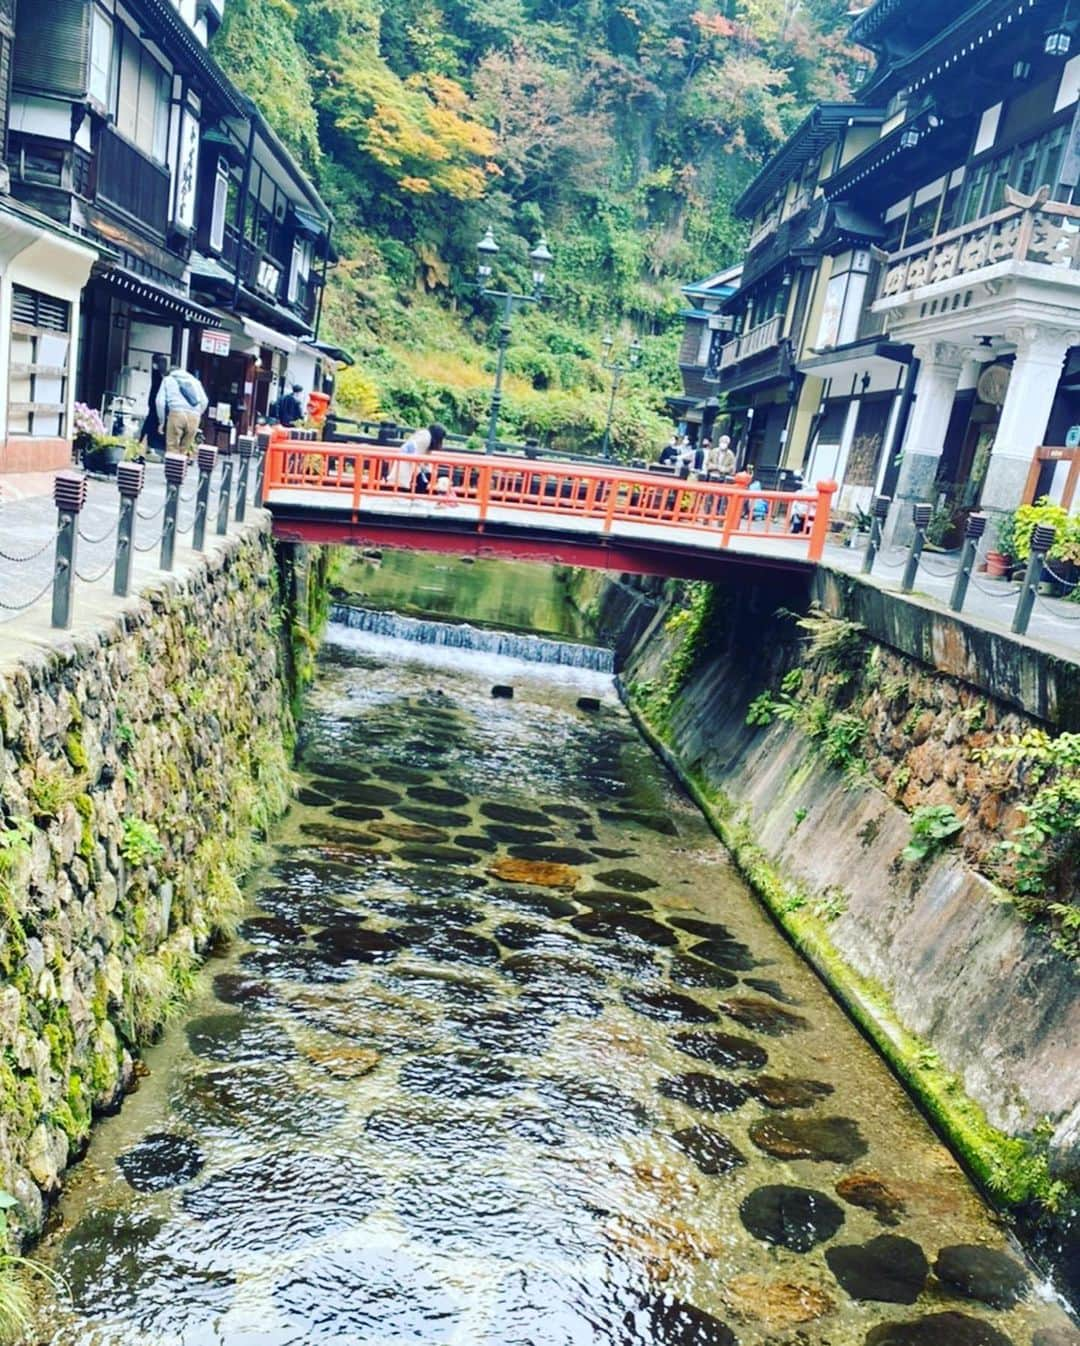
{"x":322,"y":285}
{"x":241,"y":206}
{"x":892,"y":470}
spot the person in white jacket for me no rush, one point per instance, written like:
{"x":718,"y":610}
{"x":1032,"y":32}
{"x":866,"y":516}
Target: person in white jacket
{"x":181,"y":401}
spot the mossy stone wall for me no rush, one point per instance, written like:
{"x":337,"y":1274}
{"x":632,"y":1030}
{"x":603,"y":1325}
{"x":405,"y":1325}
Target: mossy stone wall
{"x":137,"y":769}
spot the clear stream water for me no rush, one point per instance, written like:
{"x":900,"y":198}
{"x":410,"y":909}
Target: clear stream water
{"x":419,"y":1102}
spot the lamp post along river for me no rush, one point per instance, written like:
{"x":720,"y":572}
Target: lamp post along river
{"x":541,"y":259}
{"x":617,"y":369}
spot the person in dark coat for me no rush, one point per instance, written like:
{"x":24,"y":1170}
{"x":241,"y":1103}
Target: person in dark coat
{"x":153,"y":432}
{"x":291,"y":411}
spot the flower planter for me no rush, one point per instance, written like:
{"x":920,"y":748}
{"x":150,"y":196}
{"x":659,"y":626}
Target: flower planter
{"x":998,"y":565}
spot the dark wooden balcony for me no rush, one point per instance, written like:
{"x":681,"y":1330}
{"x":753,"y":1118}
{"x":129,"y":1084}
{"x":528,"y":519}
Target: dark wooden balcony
{"x":132,"y":182}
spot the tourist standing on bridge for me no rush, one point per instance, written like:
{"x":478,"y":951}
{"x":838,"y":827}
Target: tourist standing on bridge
{"x":180,"y":404}
{"x":291,"y":408}
{"x":722,"y":460}
{"x":419,"y":442}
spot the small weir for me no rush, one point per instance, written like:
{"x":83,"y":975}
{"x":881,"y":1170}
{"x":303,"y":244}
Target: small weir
{"x":462,"y":636}
{"x":505,"y":1054}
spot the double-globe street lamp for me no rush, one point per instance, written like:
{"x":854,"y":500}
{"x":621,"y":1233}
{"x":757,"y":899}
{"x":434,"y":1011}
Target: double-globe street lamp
{"x":541,"y":259}
{"x":617,"y":369}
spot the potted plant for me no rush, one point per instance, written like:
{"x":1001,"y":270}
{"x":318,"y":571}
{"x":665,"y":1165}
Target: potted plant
{"x":107,"y":451}
{"x":999,"y":562}
{"x":1064,"y":555}
{"x":88,"y":428}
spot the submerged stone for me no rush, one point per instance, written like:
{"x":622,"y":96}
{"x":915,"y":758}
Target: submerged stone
{"x":627,"y":880}
{"x":509,"y":1032}
{"x":985,"y":1274}
{"x":271,"y":930}
{"x":444,"y":912}
{"x":571,"y":812}
{"x":363,"y":792}
{"x":722,"y":1049}
{"x":792,"y":1217}
{"x":459,"y":1075}
{"x":777,"y":1304}
{"x":237,"y":1037}
{"x":294,"y":965}
{"x":534,"y":1124}
{"x":410,"y":832}
{"x":336,"y":836}
{"x":502,"y":691}
{"x":563,"y":971}
{"x":514,"y":813}
{"x":160,"y":1161}
{"x":888,"y":1269}
{"x":665,"y":1320}
{"x":696,"y":925}
{"x":313,"y":798}
{"x":536,"y":903}
{"x":560,"y":855}
{"x":444,"y":818}
{"x":343,"y":1061}
{"x":307,"y":910}
{"x":712,"y":1152}
{"x":872,"y":1193}
{"x":772,"y":988}
{"x":474,"y":842}
{"x":836,"y":1140}
{"x":688,"y":971}
{"x":233,"y":988}
{"x":655,"y":822}
{"x":617,"y":925}
{"x":729,"y":954}
{"x":667,"y":1006}
{"x":527,"y":935}
{"x":256,"y":1102}
{"x":597,"y":1108}
{"x":349,"y":943}
{"x":599,"y":900}
{"x":449,"y":944}
{"x":333,"y":770}
{"x":542,"y":873}
{"x":438,"y":794}
{"x":779,"y":1093}
{"x":508,"y":834}
{"x":762,"y":1017}
{"x":938,"y":1329}
{"x":443,"y":855}
{"x":708,"y":1093}
{"x":402,"y":775}
{"x":428,"y":881}
{"x":356,"y":813}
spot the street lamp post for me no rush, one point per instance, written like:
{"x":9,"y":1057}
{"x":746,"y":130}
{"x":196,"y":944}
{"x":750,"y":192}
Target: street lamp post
{"x":617,"y":369}
{"x":541,"y":259}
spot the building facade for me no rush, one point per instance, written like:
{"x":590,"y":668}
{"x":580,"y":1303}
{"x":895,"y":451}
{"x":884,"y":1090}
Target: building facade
{"x":205,"y":244}
{"x":909,"y":318}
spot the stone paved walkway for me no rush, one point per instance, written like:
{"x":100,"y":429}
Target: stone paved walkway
{"x":28,"y":531}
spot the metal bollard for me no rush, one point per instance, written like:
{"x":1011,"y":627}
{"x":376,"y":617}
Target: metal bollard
{"x":262,"y":439}
{"x":69,"y":496}
{"x":175,"y":471}
{"x":1042,"y":539}
{"x":207,"y":459}
{"x":246,"y":447}
{"x":224,"y":491}
{"x":973,"y":531}
{"x":922,"y":515}
{"x":881,"y":513}
{"x":129,"y":482}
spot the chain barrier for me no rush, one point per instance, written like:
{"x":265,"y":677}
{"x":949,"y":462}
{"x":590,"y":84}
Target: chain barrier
{"x":94,"y":579}
{"x":153,"y":513}
{"x":1059,"y":579}
{"x":96,"y":541}
{"x":30,"y":556}
{"x":938,"y":574}
{"x":149,"y":547}
{"x":21,"y":607}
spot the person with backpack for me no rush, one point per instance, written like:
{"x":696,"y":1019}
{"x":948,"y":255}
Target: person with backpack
{"x":181,"y":401}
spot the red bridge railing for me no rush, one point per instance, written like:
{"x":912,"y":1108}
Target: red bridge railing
{"x":378,"y":479}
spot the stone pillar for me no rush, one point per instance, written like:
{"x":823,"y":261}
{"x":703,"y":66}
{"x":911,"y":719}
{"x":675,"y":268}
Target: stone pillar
{"x":940,"y":364}
{"x":1040,"y":355}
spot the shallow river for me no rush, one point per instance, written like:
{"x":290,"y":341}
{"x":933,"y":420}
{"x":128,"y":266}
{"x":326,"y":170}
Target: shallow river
{"x":422,"y":1102}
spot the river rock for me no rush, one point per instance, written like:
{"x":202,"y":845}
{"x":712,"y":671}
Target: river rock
{"x":313,"y":798}
{"x":472,"y":841}
{"x":600,"y":900}
{"x":573,"y":813}
{"x":541,"y":873}
{"x":695,"y":925}
{"x":776,"y":1304}
{"x":510,"y":835}
{"x":526,"y":935}
{"x":271,"y":930}
{"x":560,"y":855}
{"x":530,"y":968}
{"x":160,"y":1161}
{"x":402,"y":775}
{"x":627,"y":880}
{"x":344,"y":1062}
{"x":502,"y":691}
{"x":410,"y":832}
{"x":514,"y":813}
{"x":873,"y":1194}
{"x":349,"y":943}
{"x":771,"y":988}
{"x":938,"y":1329}
{"x":509,"y":1032}
{"x":667,"y":1006}
{"x":793,"y":1217}
{"x":728,"y":954}
{"x":459,"y":1075}
{"x":364,"y":792}
{"x":596,"y":1107}
{"x":834,"y":1140}
{"x":233,"y":988}
{"x":438,"y":794}
{"x":534,"y":1124}
{"x":888,"y":1269}
{"x":708,"y":1093}
{"x":615,"y":926}
{"x":762,"y":1017}
{"x":985,"y":1274}
{"x":442,"y":855}
{"x":711,"y":1151}
{"x":449,"y":944}
{"x":604,"y":852}
{"x":722,"y":1049}
{"x":535,"y":903}
{"x":356,"y":813}
{"x":238,"y":1037}
{"x":688,"y":971}
{"x":779,"y":1093}
{"x":441,"y":818}
{"x":665,"y":1320}
{"x":655,"y":822}
{"x":337,"y":836}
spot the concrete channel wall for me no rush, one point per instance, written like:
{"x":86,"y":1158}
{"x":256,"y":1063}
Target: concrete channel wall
{"x":137,"y":760}
{"x":971,"y":1002}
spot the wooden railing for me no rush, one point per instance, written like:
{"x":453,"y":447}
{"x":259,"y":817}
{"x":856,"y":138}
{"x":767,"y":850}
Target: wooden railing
{"x":760,"y":338}
{"x":1047,"y":234}
{"x":132,"y":181}
{"x":374,"y":479}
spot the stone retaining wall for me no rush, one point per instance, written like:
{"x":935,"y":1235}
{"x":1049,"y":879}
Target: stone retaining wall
{"x":973,"y":1004}
{"x":135,"y":765}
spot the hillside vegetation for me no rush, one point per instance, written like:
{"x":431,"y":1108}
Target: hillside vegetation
{"x":622,"y":128}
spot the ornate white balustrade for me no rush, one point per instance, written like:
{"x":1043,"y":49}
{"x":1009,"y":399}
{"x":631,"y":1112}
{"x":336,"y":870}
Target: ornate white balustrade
{"x":1047,"y":234}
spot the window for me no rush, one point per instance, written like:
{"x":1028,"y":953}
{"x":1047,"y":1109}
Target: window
{"x":300,"y":269}
{"x":1026,"y":167}
{"x":101,"y":52}
{"x":844,"y":298}
{"x":142,"y":100}
{"x":40,"y":352}
{"x":220,"y":209}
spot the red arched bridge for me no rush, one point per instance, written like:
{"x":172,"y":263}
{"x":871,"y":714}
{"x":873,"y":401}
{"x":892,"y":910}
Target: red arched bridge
{"x":600,"y":515}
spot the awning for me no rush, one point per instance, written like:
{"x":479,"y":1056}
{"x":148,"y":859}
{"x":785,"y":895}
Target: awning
{"x":308,"y":224}
{"x":169,"y":303}
{"x":209,"y":268}
{"x":858,"y":357}
{"x":334,"y":352}
{"x":266,"y":336}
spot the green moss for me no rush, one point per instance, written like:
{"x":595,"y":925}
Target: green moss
{"x":74,"y":1111}
{"x":1011,"y":1170}
{"x":75,"y":752}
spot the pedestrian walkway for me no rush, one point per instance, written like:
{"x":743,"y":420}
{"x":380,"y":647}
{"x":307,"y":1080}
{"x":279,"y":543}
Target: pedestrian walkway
{"x":1055,"y":622}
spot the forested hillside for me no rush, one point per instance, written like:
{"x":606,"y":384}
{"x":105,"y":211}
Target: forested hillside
{"x":624,"y":128}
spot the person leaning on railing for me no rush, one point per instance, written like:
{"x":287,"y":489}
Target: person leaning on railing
{"x":419,"y":442}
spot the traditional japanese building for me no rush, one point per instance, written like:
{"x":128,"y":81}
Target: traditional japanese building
{"x":703,"y":319}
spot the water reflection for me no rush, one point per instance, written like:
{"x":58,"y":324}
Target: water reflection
{"x":600,"y":1103}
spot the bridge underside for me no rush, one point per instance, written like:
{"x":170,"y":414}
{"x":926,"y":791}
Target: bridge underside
{"x":553,"y":546}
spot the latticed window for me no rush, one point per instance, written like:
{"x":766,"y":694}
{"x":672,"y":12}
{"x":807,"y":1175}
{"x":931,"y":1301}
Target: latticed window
{"x":40,"y":364}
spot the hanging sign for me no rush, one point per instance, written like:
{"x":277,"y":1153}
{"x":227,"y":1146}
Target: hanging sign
{"x":187,"y":164}
{"x":214,"y":343}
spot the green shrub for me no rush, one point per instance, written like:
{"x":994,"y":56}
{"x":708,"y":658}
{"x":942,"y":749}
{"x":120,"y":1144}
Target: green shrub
{"x":140,"y":842}
{"x":933,"y":827}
